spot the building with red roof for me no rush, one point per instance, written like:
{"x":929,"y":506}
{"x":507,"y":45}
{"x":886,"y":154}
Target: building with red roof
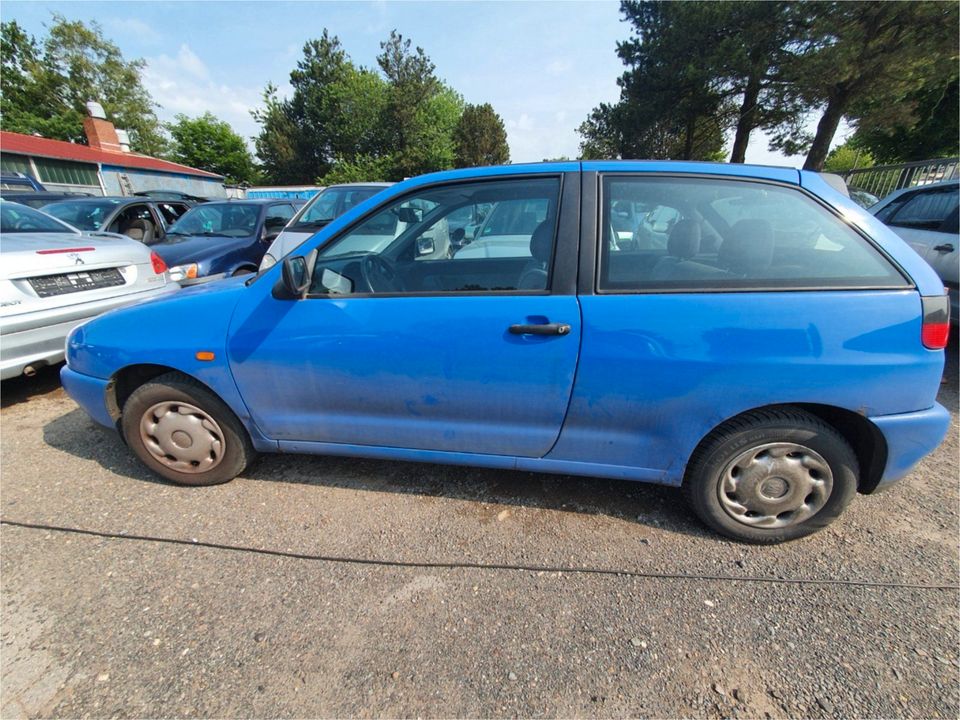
{"x":105,"y":166}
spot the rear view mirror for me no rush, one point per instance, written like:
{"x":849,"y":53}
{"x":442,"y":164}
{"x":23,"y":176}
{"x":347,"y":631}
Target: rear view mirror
{"x":294,"y":279}
{"x":408,"y":215}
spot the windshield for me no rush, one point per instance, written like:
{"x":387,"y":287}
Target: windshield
{"x":82,"y":214}
{"x":218,"y":219}
{"x":330,"y":204}
{"x":16,"y":218}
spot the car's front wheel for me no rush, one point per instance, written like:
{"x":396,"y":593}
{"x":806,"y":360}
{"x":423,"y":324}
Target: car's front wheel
{"x":771,"y":475}
{"x":185,"y":433}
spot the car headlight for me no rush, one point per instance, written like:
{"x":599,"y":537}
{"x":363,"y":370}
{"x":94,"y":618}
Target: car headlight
{"x":184,"y":272}
{"x":268,"y":261}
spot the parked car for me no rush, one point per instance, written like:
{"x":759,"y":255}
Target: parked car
{"x":863,"y":198}
{"x":221,"y":239}
{"x":39,"y":199}
{"x":138,"y":218}
{"x":772,"y":377}
{"x":927,"y":218}
{"x":11,"y":182}
{"x":54,"y":277}
{"x":172,"y":195}
{"x":320,"y":210}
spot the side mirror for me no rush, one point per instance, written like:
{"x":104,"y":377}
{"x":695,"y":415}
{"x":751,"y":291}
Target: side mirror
{"x":294,"y":279}
{"x":425,"y":246}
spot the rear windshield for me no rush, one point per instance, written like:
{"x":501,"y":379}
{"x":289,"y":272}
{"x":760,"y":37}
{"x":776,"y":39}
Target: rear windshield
{"x":330,"y":204}
{"x":16,"y":218}
{"x":219,"y":219}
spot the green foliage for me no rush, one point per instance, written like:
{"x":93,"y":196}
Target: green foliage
{"x":480,"y":137}
{"x":348,"y":123}
{"x":46,"y":85}
{"x":933,"y":134}
{"x":847,"y":157}
{"x":696,"y":70}
{"x":861,"y":60}
{"x":671,"y":102}
{"x":210,"y":144}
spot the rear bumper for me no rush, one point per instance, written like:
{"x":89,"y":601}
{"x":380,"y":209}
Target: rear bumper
{"x":38,"y":338}
{"x":89,"y":393}
{"x":910,"y":437}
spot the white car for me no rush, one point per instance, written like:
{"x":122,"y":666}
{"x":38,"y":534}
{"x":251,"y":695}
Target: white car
{"x":928,"y":218}
{"x":54,"y":277}
{"x":325,"y":206}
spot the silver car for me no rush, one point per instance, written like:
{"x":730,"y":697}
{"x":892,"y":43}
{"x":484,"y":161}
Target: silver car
{"x":928,"y":218}
{"x":53,"y":277}
{"x":327,"y":205}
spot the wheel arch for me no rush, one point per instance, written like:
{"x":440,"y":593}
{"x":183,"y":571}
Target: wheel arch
{"x":129,"y":378}
{"x":864,"y":437}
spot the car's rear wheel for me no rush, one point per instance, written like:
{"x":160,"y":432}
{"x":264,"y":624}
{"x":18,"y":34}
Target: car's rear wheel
{"x":185,"y":433}
{"x":771,"y":475}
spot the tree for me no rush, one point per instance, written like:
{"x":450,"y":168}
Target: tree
{"x":480,"y":137}
{"x":846,"y":157}
{"x":672,"y":102}
{"x":210,"y":144}
{"x":860,"y":59}
{"x":46,"y":85}
{"x":276,"y":145}
{"x":933,"y":134}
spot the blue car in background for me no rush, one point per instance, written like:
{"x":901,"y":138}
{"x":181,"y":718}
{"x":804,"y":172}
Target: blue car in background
{"x":223,"y":239}
{"x":779,"y":351}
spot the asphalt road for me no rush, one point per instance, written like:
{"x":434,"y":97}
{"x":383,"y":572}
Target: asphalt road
{"x":388,"y":593}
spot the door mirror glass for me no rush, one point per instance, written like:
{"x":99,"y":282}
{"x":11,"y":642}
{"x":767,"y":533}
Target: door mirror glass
{"x":425,"y":246}
{"x":294,"y":279}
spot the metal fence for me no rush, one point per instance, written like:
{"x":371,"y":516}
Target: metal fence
{"x":882,"y":180}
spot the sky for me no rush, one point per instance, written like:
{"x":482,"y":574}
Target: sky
{"x":542,"y":65}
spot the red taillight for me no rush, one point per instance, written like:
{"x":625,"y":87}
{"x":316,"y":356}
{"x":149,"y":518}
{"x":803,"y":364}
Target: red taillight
{"x":159,"y":266}
{"x":935,"y":331}
{"x":935,"y":335}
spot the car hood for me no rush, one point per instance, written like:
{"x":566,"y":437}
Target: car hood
{"x":29,"y":254}
{"x":181,"y":249}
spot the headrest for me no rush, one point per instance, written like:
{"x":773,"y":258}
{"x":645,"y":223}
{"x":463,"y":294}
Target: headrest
{"x":749,"y":248}
{"x":541,"y":242}
{"x":684,"y":239}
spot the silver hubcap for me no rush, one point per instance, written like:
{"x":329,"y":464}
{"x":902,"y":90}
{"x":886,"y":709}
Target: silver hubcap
{"x":775,"y":485}
{"x":182,"y":437}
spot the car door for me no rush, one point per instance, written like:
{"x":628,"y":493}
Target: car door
{"x":448,"y":355}
{"x":927,"y":220}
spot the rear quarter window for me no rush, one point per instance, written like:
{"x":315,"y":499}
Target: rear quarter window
{"x":702,"y":234}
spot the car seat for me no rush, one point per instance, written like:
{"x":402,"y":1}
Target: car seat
{"x":748,"y":251}
{"x":534,"y":275}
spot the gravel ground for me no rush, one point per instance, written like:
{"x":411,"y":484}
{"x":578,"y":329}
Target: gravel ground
{"x":98,"y":626}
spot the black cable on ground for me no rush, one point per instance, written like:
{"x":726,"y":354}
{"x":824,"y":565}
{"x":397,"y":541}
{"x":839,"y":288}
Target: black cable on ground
{"x":479,"y":566}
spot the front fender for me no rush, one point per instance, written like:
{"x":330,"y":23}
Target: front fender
{"x":168,"y":332}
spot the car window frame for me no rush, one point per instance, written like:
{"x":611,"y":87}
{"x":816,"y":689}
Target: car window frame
{"x":563,"y":270}
{"x":908,"y":282}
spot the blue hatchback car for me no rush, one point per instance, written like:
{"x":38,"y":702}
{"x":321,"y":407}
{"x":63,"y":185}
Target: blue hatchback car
{"x":223,"y":239}
{"x":744,"y":332}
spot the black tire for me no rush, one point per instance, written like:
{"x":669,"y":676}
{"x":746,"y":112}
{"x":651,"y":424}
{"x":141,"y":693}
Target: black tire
{"x":703,"y":481}
{"x":236,"y":449}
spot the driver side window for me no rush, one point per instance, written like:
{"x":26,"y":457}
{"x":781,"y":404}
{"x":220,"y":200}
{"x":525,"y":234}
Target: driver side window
{"x":493,"y":236}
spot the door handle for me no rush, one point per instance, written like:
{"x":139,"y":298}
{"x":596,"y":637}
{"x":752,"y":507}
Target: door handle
{"x":543,"y":329}
{"x":946,"y":247}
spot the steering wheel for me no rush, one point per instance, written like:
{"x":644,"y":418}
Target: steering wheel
{"x":379,"y":274}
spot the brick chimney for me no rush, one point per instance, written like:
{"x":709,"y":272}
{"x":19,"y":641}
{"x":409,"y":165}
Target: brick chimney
{"x":100,"y":132}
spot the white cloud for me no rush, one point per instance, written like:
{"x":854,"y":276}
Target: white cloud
{"x":131,"y":28}
{"x":559,"y":67}
{"x":184,"y":84}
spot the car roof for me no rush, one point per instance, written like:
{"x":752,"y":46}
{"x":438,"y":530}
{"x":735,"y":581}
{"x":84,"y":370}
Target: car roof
{"x":110,"y":198}
{"x":360,"y":184}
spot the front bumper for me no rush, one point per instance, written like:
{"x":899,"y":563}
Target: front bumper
{"x":90,"y":393}
{"x":910,"y":437}
{"x":38,"y":338}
